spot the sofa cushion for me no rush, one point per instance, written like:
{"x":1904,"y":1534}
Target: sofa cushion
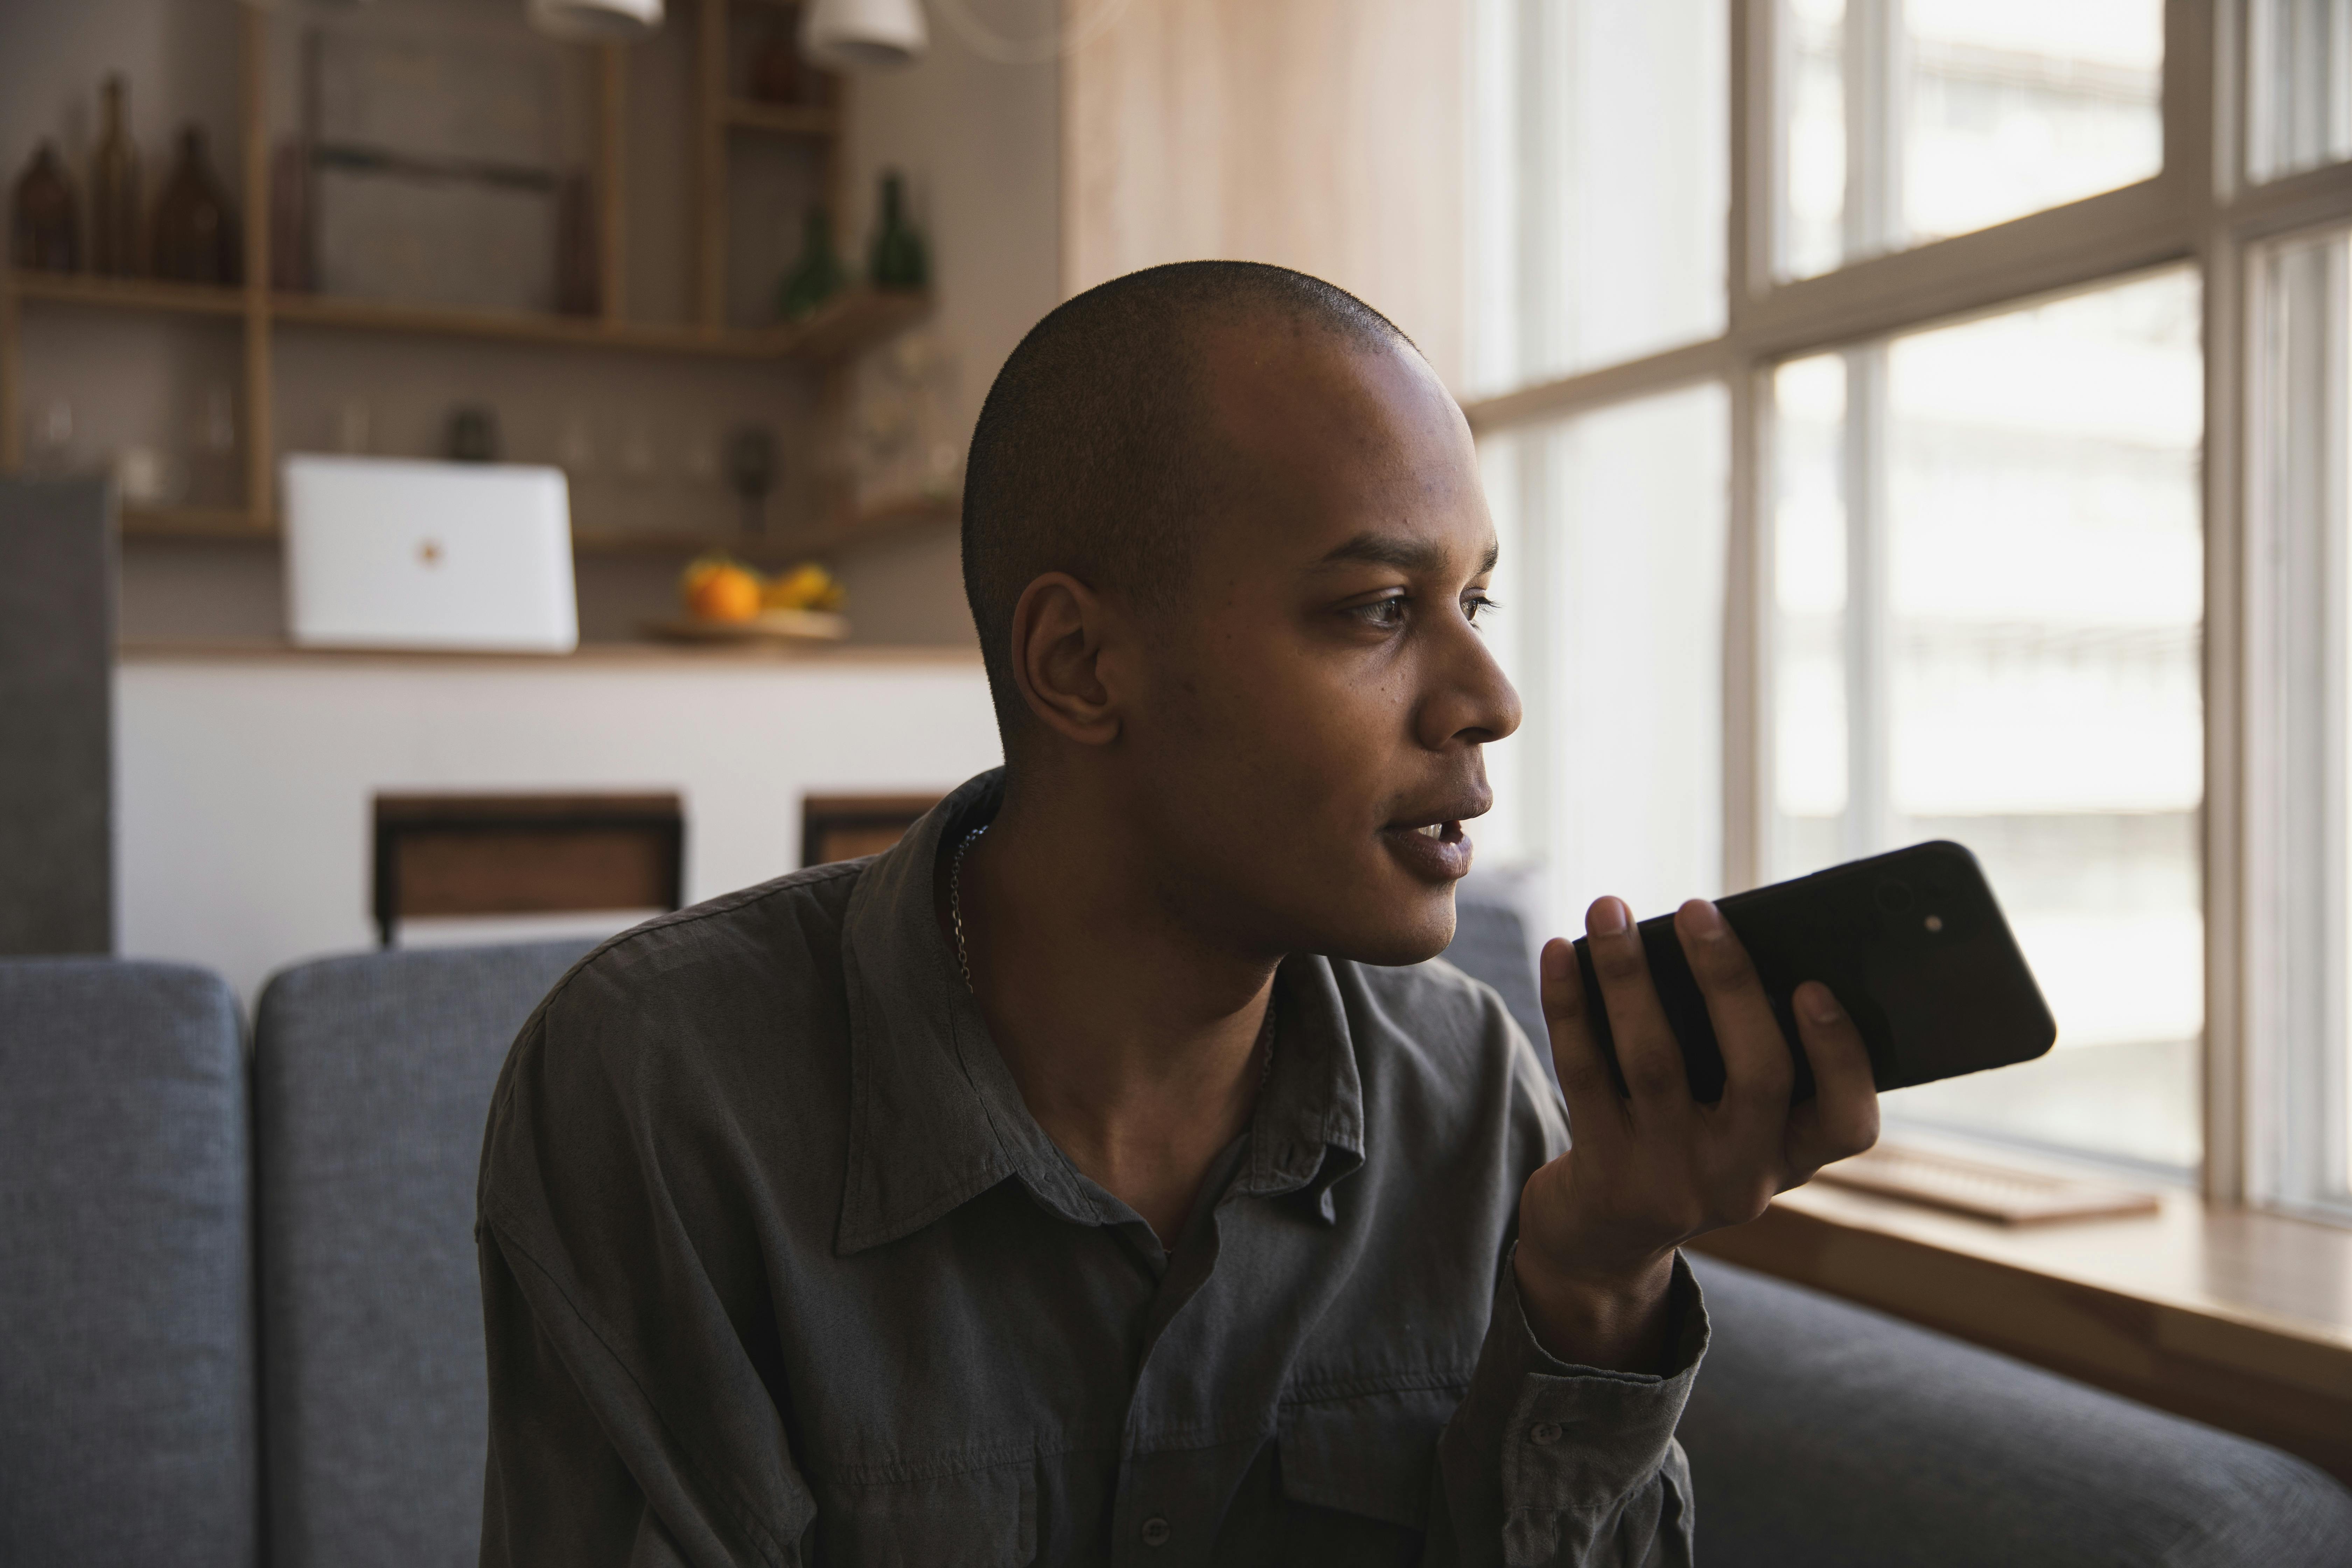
{"x":1490,"y":943}
{"x":371,"y":1083}
{"x":126,"y":1345}
{"x":1822,"y":1434}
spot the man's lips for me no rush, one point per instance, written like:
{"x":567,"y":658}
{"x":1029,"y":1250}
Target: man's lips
{"x":1433,"y":847}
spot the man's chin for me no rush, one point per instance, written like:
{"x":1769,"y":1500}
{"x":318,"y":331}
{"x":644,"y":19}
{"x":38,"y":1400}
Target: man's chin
{"x":1393,"y":932}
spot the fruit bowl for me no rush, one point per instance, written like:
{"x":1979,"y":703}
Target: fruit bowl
{"x":768,"y":626}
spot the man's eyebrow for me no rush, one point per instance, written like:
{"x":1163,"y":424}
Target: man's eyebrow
{"x":1406,"y":554}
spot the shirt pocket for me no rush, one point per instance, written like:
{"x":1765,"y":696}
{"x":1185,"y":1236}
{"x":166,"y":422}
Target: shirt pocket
{"x":974,"y":1519}
{"x":1371,"y":1455}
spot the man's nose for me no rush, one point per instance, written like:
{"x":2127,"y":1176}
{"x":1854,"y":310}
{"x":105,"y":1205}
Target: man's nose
{"x":1472,"y":698}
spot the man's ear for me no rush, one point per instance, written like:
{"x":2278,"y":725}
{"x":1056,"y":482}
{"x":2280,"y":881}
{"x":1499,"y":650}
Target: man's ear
{"x":1061,"y":630}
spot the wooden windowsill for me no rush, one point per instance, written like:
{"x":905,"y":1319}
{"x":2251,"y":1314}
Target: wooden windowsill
{"x":2235,"y":1316}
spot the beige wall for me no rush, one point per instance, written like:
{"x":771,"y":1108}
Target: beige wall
{"x":1320,"y":134}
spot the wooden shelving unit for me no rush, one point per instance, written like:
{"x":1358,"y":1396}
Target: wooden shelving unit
{"x":783,"y":118}
{"x":856,"y":320}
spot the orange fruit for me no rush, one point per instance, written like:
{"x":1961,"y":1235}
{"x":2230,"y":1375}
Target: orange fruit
{"x":724,"y":592}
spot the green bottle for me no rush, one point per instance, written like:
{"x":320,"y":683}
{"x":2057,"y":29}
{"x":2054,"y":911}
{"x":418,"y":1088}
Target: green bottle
{"x":817,"y":276}
{"x":898,"y":261}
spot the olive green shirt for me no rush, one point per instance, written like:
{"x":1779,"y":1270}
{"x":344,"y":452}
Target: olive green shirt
{"x":777,"y":1269}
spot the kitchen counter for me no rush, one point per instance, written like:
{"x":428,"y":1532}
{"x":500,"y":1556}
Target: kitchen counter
{"x":245,"y":773}
{"x":604,"y":653}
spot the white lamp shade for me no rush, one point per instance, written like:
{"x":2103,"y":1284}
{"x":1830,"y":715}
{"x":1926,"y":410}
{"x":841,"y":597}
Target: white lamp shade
{"x":864,"y":34}
{"x":597,"y":21}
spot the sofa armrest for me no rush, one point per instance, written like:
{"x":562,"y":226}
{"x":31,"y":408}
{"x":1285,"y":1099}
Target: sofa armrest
{"x":1823,"y":1433}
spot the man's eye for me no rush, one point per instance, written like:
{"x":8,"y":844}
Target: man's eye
{"x":1384,"y":613}
{"x":1476,"y":607}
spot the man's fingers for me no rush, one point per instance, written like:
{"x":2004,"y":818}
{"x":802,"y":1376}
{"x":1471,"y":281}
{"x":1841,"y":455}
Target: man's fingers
{"x":1647,"y":1053}
{"x":1841,"y":1118}
{"x":1575,"y":1054}
{"x":1756,"y":1067}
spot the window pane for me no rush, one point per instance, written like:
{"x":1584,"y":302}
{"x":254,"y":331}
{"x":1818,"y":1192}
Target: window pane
{"x":2300,"y":441}
{"x":1614,"y":621}
{"x":1990,"y":589}
{"x":2300,"y":69}
{"x":1907,"y":120}
{"x":1593,"y":241}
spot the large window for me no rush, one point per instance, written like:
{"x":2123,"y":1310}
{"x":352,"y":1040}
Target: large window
{"x":1906,"y":121}
{"x":2301,"y":1105}
{"x":2001,"y":491}
{"x":1988,"y":579}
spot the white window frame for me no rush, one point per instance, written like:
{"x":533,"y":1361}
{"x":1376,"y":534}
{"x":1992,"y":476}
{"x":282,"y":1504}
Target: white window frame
{"x":2201,"y":209}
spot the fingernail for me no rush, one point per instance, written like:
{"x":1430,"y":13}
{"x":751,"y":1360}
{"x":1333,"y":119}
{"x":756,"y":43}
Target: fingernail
{"x":1820,"y":1005}
{"x":1606,"y":918}
{"x":1704,"y":918}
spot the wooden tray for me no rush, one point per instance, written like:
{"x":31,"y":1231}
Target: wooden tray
{"x":768,"y":626}
{"x":1980,"y":1189}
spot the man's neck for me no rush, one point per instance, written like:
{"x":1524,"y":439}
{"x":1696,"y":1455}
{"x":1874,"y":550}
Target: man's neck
{"x":1132,"y":1037}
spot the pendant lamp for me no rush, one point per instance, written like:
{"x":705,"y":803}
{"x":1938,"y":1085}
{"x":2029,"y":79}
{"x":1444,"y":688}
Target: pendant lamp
{"x":597,"y":21}
{"x":864,"y":34}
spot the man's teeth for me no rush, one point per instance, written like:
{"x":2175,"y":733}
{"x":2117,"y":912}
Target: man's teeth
{"x":1435,"y":830}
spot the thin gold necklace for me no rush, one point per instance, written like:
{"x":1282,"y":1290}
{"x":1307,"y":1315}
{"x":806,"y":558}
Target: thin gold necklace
{"x":963,"y":952}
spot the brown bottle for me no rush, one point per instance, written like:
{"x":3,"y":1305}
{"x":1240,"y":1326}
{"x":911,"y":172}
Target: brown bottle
{"x":46,"y":233}
{"x":197,"y":238}
{"x":114,"y":248}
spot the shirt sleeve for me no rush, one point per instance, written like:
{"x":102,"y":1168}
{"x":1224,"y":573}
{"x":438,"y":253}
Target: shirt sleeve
{"x":1547,"y":1463}
{"x":629,"y":1426}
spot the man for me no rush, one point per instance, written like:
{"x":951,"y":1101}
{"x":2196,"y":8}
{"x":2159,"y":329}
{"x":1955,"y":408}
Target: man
{"x":1087,"y":1179}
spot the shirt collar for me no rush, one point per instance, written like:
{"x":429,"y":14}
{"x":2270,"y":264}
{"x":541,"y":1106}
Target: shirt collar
{"x":935,"y":1116}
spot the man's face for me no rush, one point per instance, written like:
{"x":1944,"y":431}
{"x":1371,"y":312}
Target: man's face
{"x":1311,"y":710}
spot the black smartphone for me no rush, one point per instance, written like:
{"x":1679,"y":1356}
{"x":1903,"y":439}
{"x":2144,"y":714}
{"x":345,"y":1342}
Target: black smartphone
{"x":1911,"y":942}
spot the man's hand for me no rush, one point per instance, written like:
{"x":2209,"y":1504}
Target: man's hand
{"x":1652,"y":1168}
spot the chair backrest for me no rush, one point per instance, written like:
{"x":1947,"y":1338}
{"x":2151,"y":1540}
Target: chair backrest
{"x":525,"y":854}
{"x":371,"y":1083}
{"x":126,"y":1268}
{"x":845,"y":826}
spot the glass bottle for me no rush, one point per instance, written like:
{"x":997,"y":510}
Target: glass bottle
{"x":114,"y":248}
{"x":817,"y":276}
{"x":47,"y":233}
{"x":899,"y":260}
{"x":197,"y":238}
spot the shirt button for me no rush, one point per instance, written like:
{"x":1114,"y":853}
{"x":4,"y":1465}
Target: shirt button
{"x":1156,"y":1532}
{"x":1544,"y":1432}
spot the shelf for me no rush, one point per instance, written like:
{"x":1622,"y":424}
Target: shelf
{"x":783,"y":118}
{"x":853,"y":321}
{"x":222,"y":525}
{"x":202,"y":524}
{"x":128,"y":293}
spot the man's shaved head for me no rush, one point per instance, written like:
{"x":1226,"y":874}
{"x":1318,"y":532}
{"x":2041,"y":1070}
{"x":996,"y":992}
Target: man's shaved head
{"x":1096,"y":453}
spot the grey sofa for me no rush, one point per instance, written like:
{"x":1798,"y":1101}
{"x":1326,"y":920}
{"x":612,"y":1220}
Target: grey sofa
{"x":138,"y":1363}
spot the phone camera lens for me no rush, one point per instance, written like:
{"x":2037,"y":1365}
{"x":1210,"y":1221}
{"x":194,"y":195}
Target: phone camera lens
{"x":1894,"y":897}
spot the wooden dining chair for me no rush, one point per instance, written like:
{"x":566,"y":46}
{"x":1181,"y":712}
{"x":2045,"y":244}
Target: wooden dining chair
{"x":525,"y":854}
{"x":844,"y":827}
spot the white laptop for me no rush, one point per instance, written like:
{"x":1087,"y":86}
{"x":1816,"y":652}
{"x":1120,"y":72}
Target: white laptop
{"x":394,"y":552}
